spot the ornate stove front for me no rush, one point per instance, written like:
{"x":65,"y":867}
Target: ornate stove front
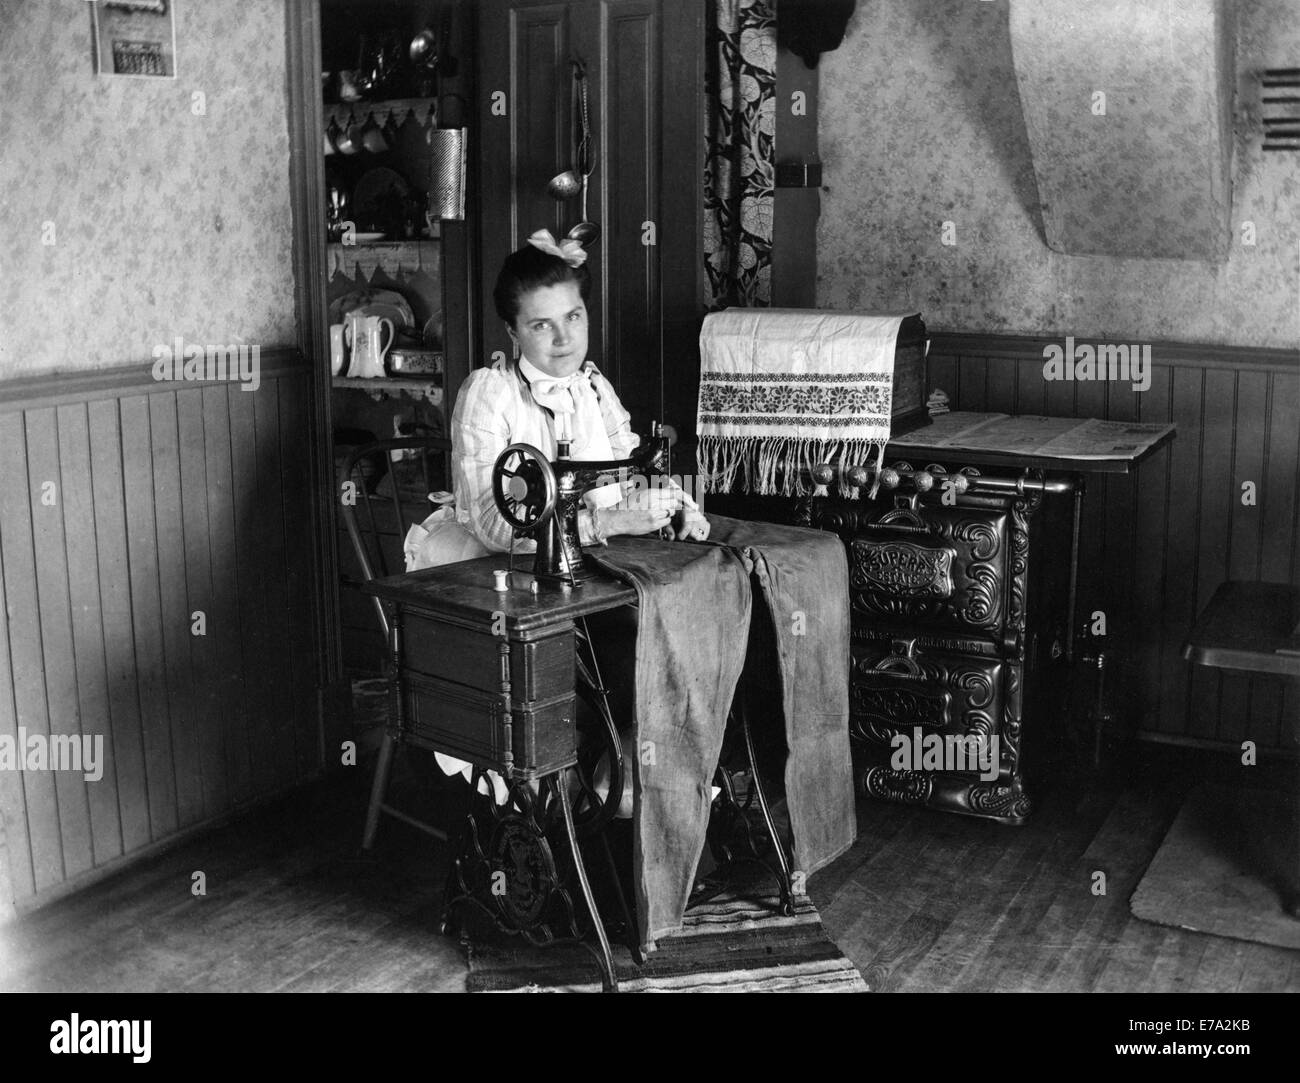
{"x":941,"y":644}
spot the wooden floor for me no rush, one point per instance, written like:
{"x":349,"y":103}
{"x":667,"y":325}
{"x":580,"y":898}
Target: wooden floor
{"x":923,"y":901}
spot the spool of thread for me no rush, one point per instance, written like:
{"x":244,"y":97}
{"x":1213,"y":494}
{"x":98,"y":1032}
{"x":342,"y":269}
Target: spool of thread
{"x":502,"y":578}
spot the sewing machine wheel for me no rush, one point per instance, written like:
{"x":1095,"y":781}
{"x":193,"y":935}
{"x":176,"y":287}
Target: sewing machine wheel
{"x":523,"y":485}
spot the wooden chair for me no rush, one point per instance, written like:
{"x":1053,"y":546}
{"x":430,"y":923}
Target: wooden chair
{"x":1249,"y":626}
{"x":376,"y":523}
{"x":1253,"y":627}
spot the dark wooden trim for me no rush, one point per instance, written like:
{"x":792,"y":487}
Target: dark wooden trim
{"x":459,"y":318}
{"x":681,"y":212}
{"x":462,"y":301}
{"x":56,"y":389}
{"x":795,"y":211}
{"x":1183,"y":354}
{"x":307,"y":177}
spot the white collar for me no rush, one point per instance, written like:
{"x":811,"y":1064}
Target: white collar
{"x":531,"y":372}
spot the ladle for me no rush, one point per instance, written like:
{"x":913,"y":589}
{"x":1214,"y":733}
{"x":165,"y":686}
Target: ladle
{"x":564,"y":185}
{"x":585,"y":232}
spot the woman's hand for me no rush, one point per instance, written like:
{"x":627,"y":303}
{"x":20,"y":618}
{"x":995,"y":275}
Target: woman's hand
{"x":654,"y":511}
{"x":692,"y":526}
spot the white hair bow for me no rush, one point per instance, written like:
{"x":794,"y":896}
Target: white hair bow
{"x":569,"y":250}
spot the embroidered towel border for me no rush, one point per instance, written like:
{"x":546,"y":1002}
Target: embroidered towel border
{"x":782,"y":390}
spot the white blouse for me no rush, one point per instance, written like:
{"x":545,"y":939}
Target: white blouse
{"x":495,"y":408}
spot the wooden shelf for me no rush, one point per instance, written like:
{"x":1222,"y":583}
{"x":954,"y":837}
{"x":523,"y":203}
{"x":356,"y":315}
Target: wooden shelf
{"x":425,"y":110}
{"x":389,"y":387}
{"x":395,"y":257}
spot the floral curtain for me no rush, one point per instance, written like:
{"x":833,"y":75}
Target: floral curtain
{"x":739,"y":165}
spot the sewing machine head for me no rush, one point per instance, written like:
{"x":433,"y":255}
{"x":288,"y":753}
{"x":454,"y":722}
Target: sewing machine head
{"x":541,"y":499}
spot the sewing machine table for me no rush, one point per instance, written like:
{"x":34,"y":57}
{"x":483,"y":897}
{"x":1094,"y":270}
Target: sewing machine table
{"x":488,"y":676}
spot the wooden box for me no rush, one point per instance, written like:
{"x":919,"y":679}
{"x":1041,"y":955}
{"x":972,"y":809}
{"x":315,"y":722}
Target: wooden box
{"x":910,"y":382}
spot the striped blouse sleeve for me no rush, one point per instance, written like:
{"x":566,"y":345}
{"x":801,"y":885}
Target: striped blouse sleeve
{"x":480,"y":431}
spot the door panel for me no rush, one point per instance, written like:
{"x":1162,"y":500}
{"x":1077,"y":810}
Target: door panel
{"x":630,"y":130}
{"x":524,"y":53}
{"x":644,"y":61}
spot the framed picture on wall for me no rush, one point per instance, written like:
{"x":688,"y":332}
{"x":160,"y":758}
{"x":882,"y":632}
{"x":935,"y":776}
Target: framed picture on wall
{"x":134,"y":37}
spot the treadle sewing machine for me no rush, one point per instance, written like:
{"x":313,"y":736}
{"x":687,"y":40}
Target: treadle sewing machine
{"x":541,"y":499}
{"x":496,"y":667}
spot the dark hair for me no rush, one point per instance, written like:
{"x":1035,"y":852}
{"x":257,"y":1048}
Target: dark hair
{"x":529,"y":269}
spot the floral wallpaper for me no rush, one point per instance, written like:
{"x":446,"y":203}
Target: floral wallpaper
{"x":133,"y":210}
{"x":920,"y":125}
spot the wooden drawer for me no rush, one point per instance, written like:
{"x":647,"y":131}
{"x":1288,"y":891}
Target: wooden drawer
{"x":894,"y":692}
{"x":539,"y":669}
{"x":468,"y":723}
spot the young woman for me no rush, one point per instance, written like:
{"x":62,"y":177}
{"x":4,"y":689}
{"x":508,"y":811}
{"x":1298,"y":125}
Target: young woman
{"x":549,"y":393}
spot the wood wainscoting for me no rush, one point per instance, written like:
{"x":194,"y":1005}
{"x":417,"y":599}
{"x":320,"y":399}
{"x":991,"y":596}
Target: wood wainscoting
{"x":1157,"y":544}
{"x":160,"y":582}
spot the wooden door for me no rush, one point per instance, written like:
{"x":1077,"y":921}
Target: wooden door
{"x":644,"y":62}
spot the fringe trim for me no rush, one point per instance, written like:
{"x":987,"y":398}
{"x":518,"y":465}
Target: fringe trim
{"x":781,"y":465}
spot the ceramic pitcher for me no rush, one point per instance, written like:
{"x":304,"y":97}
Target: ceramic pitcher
{"x":369,"y":348}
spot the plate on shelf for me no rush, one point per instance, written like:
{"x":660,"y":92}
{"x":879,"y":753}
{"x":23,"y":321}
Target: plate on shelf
{"x":369,"y":238}
{"x":432,"y":332}
{"x":399,"y":314}
{"x":386,"y":303}
{"x":379,"y":199}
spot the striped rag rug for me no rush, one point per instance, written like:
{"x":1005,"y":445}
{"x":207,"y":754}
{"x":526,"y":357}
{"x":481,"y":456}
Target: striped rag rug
{"x":730,"y":944}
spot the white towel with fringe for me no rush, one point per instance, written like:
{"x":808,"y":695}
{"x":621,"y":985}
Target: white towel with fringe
{"x":784,"y":389}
